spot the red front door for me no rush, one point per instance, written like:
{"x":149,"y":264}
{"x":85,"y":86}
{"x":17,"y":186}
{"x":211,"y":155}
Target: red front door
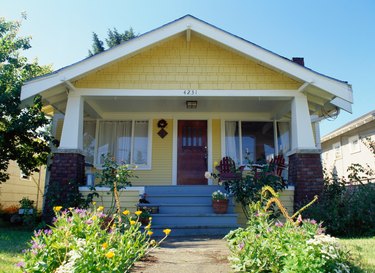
{"x":192,"y":152}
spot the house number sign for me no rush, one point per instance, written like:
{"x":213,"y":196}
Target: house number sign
{"x":191,"y":92}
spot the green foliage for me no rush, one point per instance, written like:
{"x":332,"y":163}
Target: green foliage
{"x":115,"y":175}
{"x":346,"y":210}
{"x":114,"y":38}
{"x":26,"y":203}
{"x":247,"y":189}
{"x":22,"y":137}
{"x":88,"y":241}
{"x":218,"y":195}
{"x":268,"y":246}
{"x":66,"y":195}
{"x":97,"y":45}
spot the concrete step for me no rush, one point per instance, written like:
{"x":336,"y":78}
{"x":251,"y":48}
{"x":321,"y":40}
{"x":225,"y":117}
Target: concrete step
{"x":208,"y":219}
{"x":179,"y":231}
{"x":187,"y":208}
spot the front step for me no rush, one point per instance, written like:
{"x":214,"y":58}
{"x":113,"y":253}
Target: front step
{"x":187,"y":211}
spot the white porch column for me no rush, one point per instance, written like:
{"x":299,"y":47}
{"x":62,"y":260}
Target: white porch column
{"x":302,"y":133}
{"x":72,"y":132}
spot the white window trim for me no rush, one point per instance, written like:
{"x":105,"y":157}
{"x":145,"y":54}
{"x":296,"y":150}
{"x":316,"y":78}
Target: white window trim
{"x":148,"y":166}
{"x":339,"y":156}
{"x":350,"y":140}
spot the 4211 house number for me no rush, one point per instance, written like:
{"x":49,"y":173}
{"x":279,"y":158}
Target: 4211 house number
{"x":190,"y":92}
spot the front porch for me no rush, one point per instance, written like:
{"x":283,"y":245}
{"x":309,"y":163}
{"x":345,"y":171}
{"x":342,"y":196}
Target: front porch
{"x":187,"y":210}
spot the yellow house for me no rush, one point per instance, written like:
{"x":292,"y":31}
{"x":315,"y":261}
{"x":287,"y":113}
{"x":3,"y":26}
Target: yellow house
{"x":20,"y":185}
{"x":178,"y":98}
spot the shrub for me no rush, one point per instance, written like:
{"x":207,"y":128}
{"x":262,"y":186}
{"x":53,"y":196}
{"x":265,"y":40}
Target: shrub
{"x":346,"y":210}
{"x":88,"y":241}
{"x":294,"y":246}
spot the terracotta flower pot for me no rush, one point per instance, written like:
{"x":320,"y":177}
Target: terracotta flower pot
{"x":220,"y":206}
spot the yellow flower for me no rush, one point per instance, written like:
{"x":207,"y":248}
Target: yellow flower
{"x":132,"y":222}
{"x":94,"y":218}
{"x":94,"y":203}
{"x":70,"y":209}
{"x":57,"y":208}
{"x":167,"y":231}
{"x":104,"y":245}
{"x":152,"y":242}
{"x":149,"y":233}
{"x":126,"y":212}
{"x":216,"y":163}
{"x":138,"y":212}
{"x":109,"y":254}
{"x":101,"y":208}
{"x":148,"y":226}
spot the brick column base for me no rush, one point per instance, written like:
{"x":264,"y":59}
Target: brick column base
{"x":66,"y":174}
{"x":306,"y":173}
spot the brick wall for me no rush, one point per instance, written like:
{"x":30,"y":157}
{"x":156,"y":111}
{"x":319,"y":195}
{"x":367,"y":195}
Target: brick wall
{"x":305,"y":171}
{"x":65,"y":169}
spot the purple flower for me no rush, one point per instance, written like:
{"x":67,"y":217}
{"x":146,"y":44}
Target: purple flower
{"x":37,"y":233}
{"x":47,"y":232}
{"x":20,"y":264}
{"x":313,"y":222}
{"x":69,"y":219}
{"x":89,"y":222}
{"x":279,"y":224}
{"x":241,"y":245}
{"x":102,"y":215}
{"x":54,"y":220}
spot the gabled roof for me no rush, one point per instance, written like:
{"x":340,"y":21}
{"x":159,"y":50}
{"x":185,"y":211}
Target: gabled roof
{"x":341,"y":91}
{"x":362,"y":120}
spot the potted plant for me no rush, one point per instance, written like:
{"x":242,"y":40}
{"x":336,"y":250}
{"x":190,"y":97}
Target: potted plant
{"x":220,"y":202}
{"x":144,"y":216}
{"x":26,"y":206}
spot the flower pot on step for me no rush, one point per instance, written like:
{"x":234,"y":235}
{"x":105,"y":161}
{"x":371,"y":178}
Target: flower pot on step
{"x":220,"y":206}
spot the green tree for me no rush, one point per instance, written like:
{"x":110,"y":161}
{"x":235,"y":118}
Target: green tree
{"x":114,"y":38}
{"x":97,"y":45}
{"x":23,"y":137}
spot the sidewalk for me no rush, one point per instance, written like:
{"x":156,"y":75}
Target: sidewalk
{"x":187,"y":255}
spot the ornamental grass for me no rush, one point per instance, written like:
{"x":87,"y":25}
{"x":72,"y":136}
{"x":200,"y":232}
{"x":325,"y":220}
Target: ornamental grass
{"x":83,"y":241}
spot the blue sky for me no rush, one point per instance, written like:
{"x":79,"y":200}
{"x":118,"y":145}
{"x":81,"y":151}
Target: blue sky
{"x":336,"y":37}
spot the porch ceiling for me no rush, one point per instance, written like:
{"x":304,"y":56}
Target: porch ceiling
{"x":104,"y":106}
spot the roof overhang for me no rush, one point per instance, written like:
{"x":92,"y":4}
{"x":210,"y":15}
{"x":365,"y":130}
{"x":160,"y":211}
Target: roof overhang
{"x":338,"y":93}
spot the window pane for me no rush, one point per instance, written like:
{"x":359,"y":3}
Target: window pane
{"x":283,"y":134}
{"x":89,"y":128}
{"x":232,"y":146}
{"x":258,"y":138}
{"x":140,"y":142}
{"x":106,"y":139}
{"x":123,"y":141}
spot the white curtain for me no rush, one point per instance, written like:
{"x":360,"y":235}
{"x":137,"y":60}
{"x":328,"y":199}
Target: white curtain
{"x":105,"y":139}
{"x":140,"y":142}
{"x":284,"y":138}
{"x":231,"y":145}
{"x":89,"y":128}
{"x":122,"y":142}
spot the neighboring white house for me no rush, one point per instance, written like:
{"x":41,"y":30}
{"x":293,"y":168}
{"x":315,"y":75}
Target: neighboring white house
{"x":346,"y":146}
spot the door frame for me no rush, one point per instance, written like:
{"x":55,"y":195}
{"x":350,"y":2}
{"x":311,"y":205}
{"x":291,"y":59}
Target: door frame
{"x":175,"y":146}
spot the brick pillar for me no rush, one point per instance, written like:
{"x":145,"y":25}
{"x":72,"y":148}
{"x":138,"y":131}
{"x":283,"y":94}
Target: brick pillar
{"x":67,"y":173}
{"x":306,"y":173}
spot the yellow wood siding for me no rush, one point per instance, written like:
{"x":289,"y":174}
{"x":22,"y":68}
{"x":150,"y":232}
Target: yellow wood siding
{"x":178,"y":64}
{"x":128,"y":199}
{"x":161,"y":172}
{"x":286,"y":198}
{"x":14,"y":189}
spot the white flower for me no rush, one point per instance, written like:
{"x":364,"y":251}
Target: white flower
{"x":207,"y":175}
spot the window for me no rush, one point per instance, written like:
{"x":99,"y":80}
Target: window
{"x":251,"y":141}
{"x":354,"y":144}
{"x":337,"y":149}
{"x":127,"y":141}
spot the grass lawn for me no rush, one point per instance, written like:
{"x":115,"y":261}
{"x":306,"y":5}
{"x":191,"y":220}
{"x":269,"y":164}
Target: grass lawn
{"x":364,"y":249}
{"x":13,"y":239}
